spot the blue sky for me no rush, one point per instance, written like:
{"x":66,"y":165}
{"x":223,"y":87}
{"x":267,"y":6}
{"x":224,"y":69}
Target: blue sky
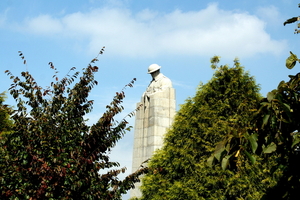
{"x":181,"y":36}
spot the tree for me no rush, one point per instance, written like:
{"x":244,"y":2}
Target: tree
{"x":274,"y":135}
{"x":274,"y":138}
{"x":280,"y":130}
{"x":52,"y":153}
{"x":189,"y":166}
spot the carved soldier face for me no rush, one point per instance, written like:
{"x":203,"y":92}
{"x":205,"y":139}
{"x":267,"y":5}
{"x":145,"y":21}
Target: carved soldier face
{"x":154,"y":74}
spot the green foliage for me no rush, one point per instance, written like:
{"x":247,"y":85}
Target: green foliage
{"x":280,"y":135}
{"x":273,"y":135}
{"x":5,"y":122}
{"x":214,"y":61}
{"x":190,"y":165}
{"x":52,"y":153}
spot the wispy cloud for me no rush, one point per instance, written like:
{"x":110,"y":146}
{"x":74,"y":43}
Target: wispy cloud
{"x":3,"y":16}
{"x":45,"y":25}
{"x":270,"y":15}
{"x":149,"y":33}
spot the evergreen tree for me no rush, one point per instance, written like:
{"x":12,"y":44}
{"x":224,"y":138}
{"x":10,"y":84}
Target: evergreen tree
{"x":184,"y":168}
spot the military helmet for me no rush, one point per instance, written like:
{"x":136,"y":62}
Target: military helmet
{"x":153,"y":68}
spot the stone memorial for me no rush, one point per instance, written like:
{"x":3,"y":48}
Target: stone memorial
{"x":154,"y":116}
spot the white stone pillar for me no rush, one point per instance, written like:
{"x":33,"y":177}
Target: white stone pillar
{"x":152,"y":120}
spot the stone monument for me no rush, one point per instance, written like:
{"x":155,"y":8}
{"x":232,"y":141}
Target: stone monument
{"x":153,"y":118}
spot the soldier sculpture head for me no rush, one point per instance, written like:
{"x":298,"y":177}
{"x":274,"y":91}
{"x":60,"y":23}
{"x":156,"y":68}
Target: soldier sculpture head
{"x":154,"y":70}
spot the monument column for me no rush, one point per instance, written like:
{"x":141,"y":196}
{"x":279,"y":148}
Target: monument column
{"x":153,"y":118}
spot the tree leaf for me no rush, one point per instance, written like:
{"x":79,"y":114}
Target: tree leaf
{"x":291,"y":20}
{"x":225,"y":161}
{"x":252,"y":158}
{"x":296,"y":139}
{"x":291,"y":61}
{"x":270,"y":148}
{"x":253,"y":138}
{"x":210,"y":160}
{"x":270,"y":95}
{"x":265,"y":119}
{"x":220,"y":148}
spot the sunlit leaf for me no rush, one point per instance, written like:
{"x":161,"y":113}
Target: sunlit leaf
{"x":225,"y":161}
{"x":270,"y":148}
{"x":291,"y":61}
{"x":220,"y":148}
{"x":210,"y":161}
{"x":296,"y":139}
{"x":270,"y":95}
